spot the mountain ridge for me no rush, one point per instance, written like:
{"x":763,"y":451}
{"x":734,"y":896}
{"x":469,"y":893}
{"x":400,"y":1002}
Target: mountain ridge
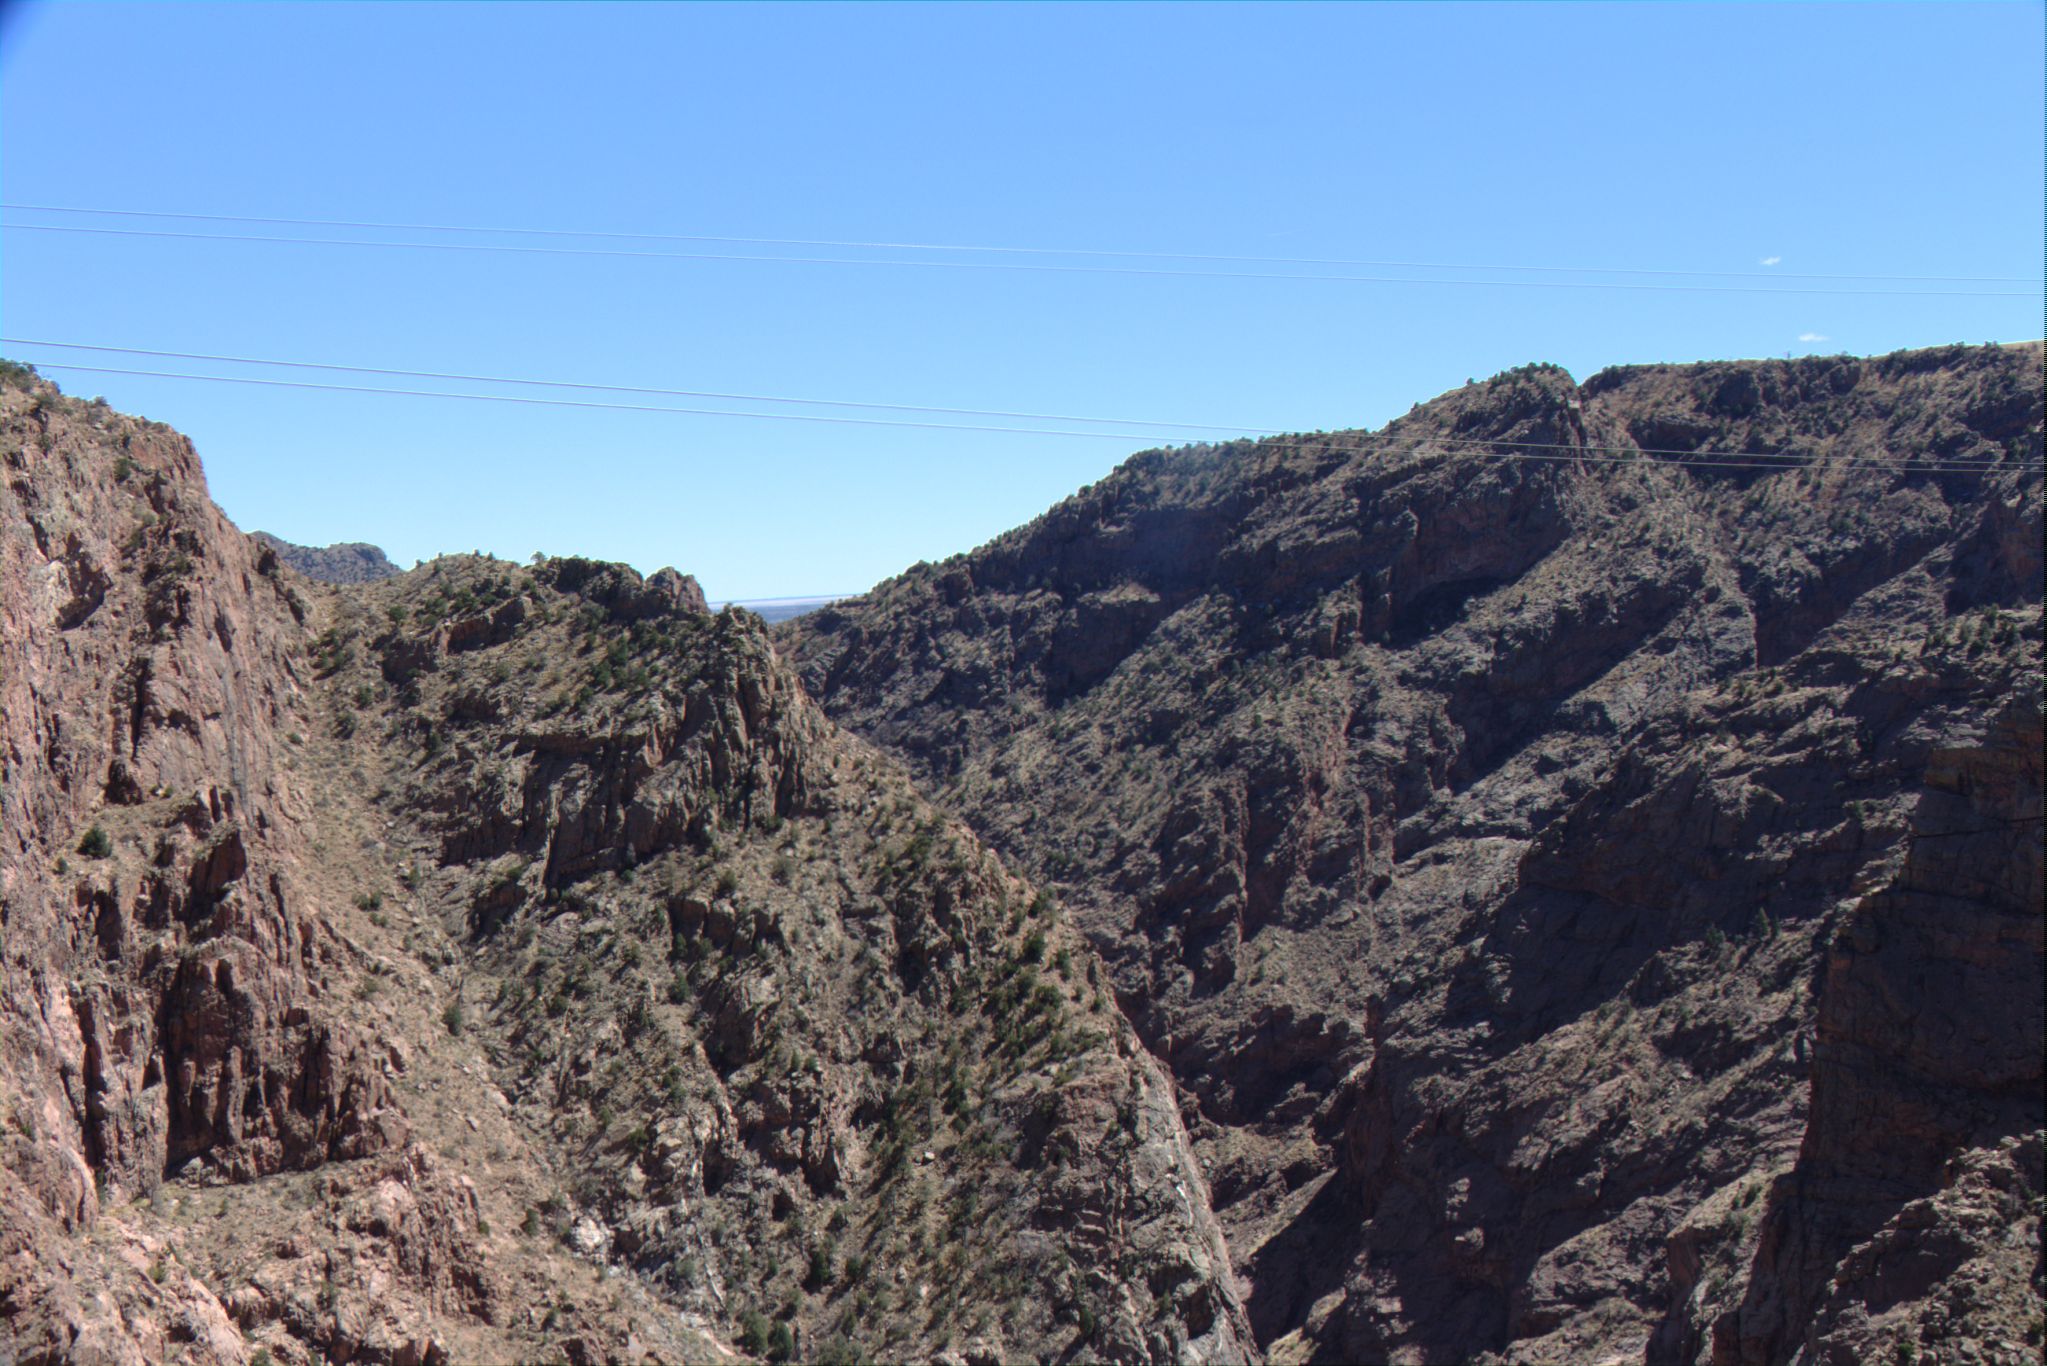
{"x":1325,"y":740}
{"x":1356,"y":898}
{"x":342,"y":562}
{"x":508,"y":962}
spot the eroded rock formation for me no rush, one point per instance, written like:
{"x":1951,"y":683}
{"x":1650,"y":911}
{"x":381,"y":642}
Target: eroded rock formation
{"x":1483,"y":819}
{"x":507,"y":963}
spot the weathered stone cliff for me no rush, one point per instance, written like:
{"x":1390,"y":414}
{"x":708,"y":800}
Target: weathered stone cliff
{"x":1531,"y":884}
{"x":503,"y":963}
{"x":1485,"y":820}
{"x":166,"y":963}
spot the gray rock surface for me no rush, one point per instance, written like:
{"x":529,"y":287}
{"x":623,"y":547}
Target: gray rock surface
{"x":1470,"y":814}
{"x":343,"y":562}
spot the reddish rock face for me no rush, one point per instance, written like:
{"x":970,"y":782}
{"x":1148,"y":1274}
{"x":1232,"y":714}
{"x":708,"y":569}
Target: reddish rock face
{"x":502,"y":963}
{"x":164,"y":957}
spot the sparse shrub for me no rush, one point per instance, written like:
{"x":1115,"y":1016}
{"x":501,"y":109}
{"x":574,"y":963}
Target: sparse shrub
{"x":839,"y":1350}
{"x":452,"y":1017}
{"x":1034,"y":947}
{"x":95,"y":843}
{"x":753,"y":1333}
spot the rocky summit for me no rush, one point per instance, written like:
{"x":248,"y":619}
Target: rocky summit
{"x":347,"y":562}
{"x":1555,"y":880}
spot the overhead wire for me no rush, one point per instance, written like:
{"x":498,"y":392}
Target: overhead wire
{"x":1267,"y":431}
{"x":1016,"y":266}
{"x":1005,"y":250}
{"x":1557,"y":452}
{"x":630,"y":388}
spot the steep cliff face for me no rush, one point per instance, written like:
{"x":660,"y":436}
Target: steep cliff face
{"x":510,"y":963}
{"x":1467,"y":813}
{"x":166,"y":966}
{"x":1912,"y":1217}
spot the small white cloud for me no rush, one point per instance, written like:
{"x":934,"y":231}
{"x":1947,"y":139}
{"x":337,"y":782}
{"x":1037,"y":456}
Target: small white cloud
{"x":1769,"y":260}
{"x":1813,"y":336}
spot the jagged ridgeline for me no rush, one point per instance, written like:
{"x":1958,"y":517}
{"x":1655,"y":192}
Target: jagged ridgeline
{"x":348,"y":562}
{"x":1583,"y":879}
{"x":1528,"y":884}
{"x":509,"y":963}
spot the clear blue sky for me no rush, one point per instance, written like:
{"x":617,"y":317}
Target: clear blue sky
{"x":1887,"y":139}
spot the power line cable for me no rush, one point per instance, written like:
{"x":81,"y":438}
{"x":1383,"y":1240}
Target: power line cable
{"x":632,"y":388}
{"x":1356,"y":444}
{"x":1005,"y":250}
{"x":1265,"y":431}
{"x":1014,"y":266}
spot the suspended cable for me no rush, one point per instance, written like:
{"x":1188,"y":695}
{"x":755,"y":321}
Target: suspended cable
{"x":1013,"y":266}
{"x":630,"y":388}
{"x":1355,"y":444}
{"x":1004,"y":250}
{"x":1265,"y":431}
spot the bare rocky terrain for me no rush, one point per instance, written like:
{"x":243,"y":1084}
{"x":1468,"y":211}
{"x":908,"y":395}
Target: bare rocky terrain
{"x":508,"y":963}
{"x":347,"y":562}
{"x":1347,"y":898}
{"x":1585,"y":884}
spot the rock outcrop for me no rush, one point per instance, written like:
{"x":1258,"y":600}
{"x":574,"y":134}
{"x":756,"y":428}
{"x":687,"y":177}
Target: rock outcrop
{"x":1484,"y":820}
{"x":510,"y":963}
{"x":1534,"y":884}
{"x":816,"y":1059}
{"x":343,"y":562}
{"x":1912,"y":1216}
{"x":164,"y":961}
